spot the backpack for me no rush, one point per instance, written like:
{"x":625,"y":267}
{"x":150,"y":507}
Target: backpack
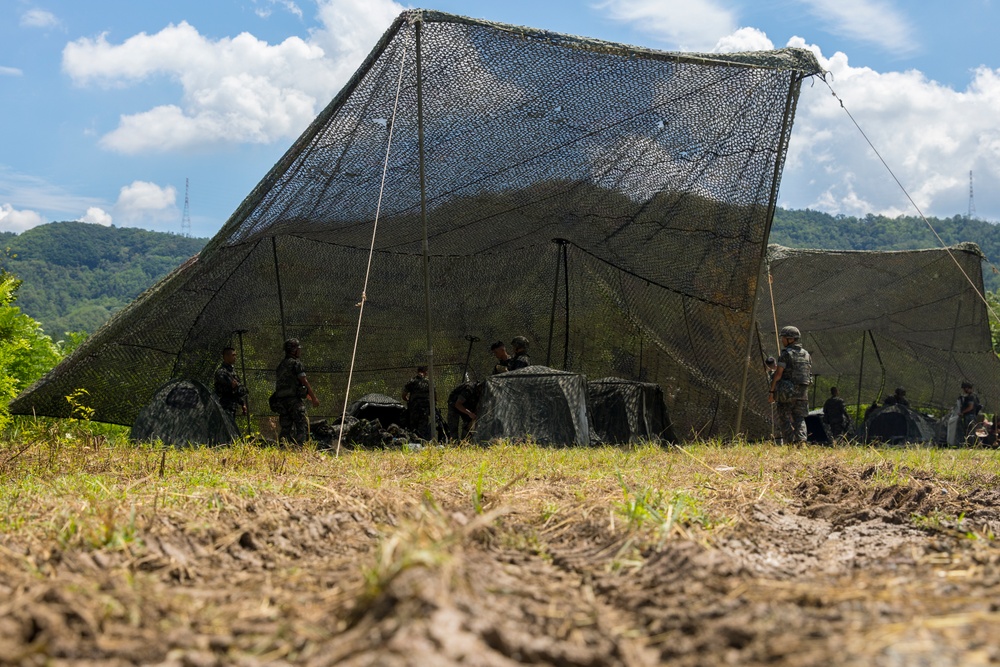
{"x":801,"y":367}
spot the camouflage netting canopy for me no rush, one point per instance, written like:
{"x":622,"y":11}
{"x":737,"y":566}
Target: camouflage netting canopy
{"x":906,"y":319}
{"x":611,"y":203}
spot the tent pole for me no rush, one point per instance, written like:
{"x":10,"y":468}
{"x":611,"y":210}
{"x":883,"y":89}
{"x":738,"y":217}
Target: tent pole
{"x":786,"y":122}
{"x":243,"y":367}
{"x":281,"y":300}
{"x":565,"y":254}
{"x":423,"y":219}
{"x":555,"y":296}
{"x":861,"y":374}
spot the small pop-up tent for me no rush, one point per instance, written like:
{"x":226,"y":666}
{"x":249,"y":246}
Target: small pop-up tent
{"x":624,"y":411}
{"x":540,"y":403}
{"x":184,"y":412}
{"x":897,"y":424}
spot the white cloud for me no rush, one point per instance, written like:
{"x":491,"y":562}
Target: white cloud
{"x":10,"y":71}
{"x":35,"y":193}
{"x":875,"y":21}
{"x":744,"y":39}
{"x":97,"y":216}
{"x":930,"y":135}
{"x":39,"y":18}
{"x":14,"y":220}
{"x":235,"y":90}
{"x":687,"y":25}
{"x":143,"y":201}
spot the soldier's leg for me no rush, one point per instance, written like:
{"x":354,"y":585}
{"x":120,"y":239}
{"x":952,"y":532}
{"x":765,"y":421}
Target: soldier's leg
{"x":423,"y":425}
{"x":454,"y":423}
{"x":300,"y":424}
{"x":783,"y":415}
{"x":285,"y":424}
{"x":800,"y":410}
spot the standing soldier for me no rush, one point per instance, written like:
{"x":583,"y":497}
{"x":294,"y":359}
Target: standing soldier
{"x":417,"y":394}
{"x":231,"y":393}
{"x":520,"y":359}
{"x":835,"y":413}
{"x":290,"y":388}
{"x":968,"y":415}
{"x":790,"y":387}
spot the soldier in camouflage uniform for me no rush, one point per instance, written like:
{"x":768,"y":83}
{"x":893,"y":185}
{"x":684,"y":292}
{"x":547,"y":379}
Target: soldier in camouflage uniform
{"x":291,"y":387}
{"x":417,"y":395}
{"x":462,"y":404}
{"x":520,"y":359}
{"x":499,"y":351}
{"x":795,"y":367}
{"x":228,"y":388}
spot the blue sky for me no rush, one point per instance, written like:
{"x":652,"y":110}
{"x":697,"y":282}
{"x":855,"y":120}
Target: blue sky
{"x":108,"y":105}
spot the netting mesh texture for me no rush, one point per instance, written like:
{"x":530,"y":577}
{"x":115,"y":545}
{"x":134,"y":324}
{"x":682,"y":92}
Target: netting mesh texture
{"x":906,"y":319}
{"x":656,"y":171}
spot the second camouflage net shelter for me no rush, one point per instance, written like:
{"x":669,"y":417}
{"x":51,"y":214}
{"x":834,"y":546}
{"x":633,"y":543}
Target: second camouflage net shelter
{"x":610,"y":203}
{"x":874,"y":321}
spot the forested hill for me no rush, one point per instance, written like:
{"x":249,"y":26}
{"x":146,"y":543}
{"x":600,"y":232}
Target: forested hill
{"x":812,"y":229}
{"x":75,"y":274}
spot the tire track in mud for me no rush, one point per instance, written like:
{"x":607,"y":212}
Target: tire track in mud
{"x":839,"y":574}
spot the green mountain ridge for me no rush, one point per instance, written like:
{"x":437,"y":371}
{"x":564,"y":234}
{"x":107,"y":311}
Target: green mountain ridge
{"x":76,"y":275}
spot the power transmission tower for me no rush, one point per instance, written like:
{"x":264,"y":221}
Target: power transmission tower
{"x":186,"y":218}
{"x":972,"y":201}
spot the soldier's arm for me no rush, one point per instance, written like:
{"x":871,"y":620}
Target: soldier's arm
{"x":309,"y":390}
{"x":460,"y":406}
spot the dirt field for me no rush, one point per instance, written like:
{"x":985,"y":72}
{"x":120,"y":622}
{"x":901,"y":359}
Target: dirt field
{"x":518,"y":555}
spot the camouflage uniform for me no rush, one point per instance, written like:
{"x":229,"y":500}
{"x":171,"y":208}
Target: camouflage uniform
{"x":290,"y":395}
{"x":836,"y":415}
{"x":791,"y":416}
{"x":230,"y":399}
{"x":459,"y":420}
{"x":518,"y":361}
{"x":418,"y":405}
{"x":968,"y":420}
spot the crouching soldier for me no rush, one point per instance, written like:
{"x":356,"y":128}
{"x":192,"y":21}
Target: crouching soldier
{"x":463,"y":401}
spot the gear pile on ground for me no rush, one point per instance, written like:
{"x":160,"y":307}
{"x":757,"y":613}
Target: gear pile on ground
{"x":362,"y":433}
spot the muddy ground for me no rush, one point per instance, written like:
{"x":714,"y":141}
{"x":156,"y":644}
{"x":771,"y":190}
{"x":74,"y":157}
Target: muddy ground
{"x":836,"y":570}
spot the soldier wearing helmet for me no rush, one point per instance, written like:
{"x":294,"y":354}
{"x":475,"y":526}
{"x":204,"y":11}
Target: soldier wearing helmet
{"x":520,"y":358}
{"x":968,"y":415}
{"x":417,"y":395}
{"x":790,"y":387}
{"x":291,"y":387}
{"x":898,"y":398}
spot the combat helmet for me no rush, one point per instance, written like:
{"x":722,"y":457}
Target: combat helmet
{"x":519,"y":343}
{"x":291,"y":344}
{"x":790,"y":332}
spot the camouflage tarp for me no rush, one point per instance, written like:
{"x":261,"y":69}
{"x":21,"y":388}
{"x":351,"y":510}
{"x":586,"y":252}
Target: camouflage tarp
{"x":540,"y":403}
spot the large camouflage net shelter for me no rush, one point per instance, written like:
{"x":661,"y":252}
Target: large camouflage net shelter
{"x":874,"y":321}
{"x":610,"y":203}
